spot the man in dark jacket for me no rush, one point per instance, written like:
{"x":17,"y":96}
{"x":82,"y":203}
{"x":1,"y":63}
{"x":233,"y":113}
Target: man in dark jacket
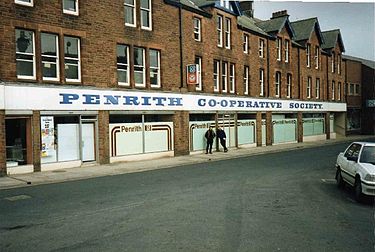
{"x":222,"y":137}
{"x":210,"y":135}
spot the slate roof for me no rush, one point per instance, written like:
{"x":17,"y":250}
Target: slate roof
{"x":331,"y":38}
{"x":249,"y":23}
{"x":275,"y":25}
{"x":304,"y":28}
{"x":189,"y":5}
{"x":365,"y":62}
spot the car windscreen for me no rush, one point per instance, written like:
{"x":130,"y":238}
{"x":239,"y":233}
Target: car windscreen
{"x":368,"y":155}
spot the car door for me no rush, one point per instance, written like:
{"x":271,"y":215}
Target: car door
{"x":349,"y":165}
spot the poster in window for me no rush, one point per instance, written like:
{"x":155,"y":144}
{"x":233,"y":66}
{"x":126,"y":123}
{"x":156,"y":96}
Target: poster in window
{"x":48,"y":136}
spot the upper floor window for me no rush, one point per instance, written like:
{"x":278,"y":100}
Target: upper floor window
{"x":197,"y":29}
{"x":278,"y":48}
{"x":261,"y":48}
{"x":339,"y":91}
{"x":129,"y":6}
{"x":277,"y":84}
{"x":286,"y":51}
{"x":227,"y":33}
{"x":357,"y":87}
{"x":261,"y":82}
{"x":308,"y":87}
{"x":316,"y":56}
{"x":308,"y":55}
{"x":288,"y":85}
{"x":219,"y":27}
{"x":123,"y":70}
{"x":50,"y":56}
{"x":333,"y":90}
{"x":246,"y":80}
{"x":232,"y":80}
{"x":25,"y":54}
{"x":25,"y":2}
{"x":224,"y":77}
{"x":333,"y":62}
{"x":70,"y":7}
{"x":339,"y":64}
{"x":72,"y":59}
{"x":198,"y":62}
{"x":146,"y":19}
{"x":139,"y":67}
{"x":246,"y":43}
{"x":155,"y":68}
{"x":216,"y":75}
{"x":317,"y":89}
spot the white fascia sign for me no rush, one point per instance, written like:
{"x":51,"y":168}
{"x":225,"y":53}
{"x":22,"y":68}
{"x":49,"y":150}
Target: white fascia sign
{"x":65,"y":99}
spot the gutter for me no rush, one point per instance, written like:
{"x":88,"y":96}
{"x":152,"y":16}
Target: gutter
{"x":181,"y":44}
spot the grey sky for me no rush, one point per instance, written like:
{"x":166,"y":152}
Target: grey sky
{"x":355,"y":21}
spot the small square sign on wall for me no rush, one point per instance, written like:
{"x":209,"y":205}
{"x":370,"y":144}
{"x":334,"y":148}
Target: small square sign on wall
{"x":192,"y":74}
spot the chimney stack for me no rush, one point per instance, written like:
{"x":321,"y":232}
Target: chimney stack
{"x":279,"y":14}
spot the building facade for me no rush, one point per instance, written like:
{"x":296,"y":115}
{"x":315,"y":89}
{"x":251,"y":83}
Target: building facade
{"x":110,"y":81}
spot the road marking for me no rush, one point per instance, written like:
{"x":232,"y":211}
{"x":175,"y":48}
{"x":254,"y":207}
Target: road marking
{"x":329,"y":181}
{"x":18,"y":197}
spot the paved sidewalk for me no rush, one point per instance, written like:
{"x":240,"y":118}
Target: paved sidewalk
{"x":91,"y":171}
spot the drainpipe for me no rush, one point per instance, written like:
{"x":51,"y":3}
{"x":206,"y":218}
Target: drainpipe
{"x":299,"y":72}
{"x":181,"y":44}
{"x":268,"y":69}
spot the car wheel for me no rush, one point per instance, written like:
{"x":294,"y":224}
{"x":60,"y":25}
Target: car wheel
{"x":358,"y":190}
{"x":339,"y":180}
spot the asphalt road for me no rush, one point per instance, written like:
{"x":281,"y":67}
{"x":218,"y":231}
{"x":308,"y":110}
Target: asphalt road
{"x":285,"y":201}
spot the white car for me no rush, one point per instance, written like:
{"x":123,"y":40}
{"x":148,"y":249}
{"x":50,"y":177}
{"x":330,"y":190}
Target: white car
{"x":356,"y":166}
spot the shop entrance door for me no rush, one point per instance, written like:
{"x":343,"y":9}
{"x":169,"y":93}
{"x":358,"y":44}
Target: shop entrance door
{"x":88,"y":136}
{"x":227,"y":123}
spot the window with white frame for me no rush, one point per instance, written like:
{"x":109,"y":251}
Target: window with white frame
{"x":317,"y":89}
{"x":72,"y":59}
{"x":216,"y":75}
{"x":232,"y":79}
{"x":227,"y":33}
{"x":261,"y":48}
{"x":261,"y":82}
{"x":139,"y":67}
{"x":288,"y":85}
{"x":339,"y":64}
{"x":308,"y":87}
{"x":287,"y":50}
{"x":277,"y":84}
{"x":245,"y":43}
{"x":333,"y":90}
{"x":278,"y":48}
{"x":308,"y":55}
{"x":123,"y":71}
{"x":357,"y":87}
{"x":197,"y":29}
{"x":155,"y":68}
{"x":146,"y":17}
{"x":333,"y":62}
{"x":198,"y":62}
{"x":316,"y":56}
{"x":25,"y":54}
{"x":129,"y":13}
{"x":224,"y":77}
{"x":219,"y":27}
{"x":25,"y":2}
{"x":226,"y":4}
{"x":50,"y":56}
{"x":70,"y":7}
{"x":246,"y":80}
{"x":339,"y":91}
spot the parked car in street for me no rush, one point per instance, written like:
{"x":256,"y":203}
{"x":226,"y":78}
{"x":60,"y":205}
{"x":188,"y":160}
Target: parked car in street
{"x":356,"y":167}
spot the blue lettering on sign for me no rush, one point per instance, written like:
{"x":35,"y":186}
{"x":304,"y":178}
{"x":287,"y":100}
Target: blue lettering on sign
{"x":68,"y":98}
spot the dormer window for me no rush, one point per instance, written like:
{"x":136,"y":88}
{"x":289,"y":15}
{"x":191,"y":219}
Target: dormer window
{"x":246,"y":43}
{"x":226,"y":4}
{"x":278,"y":48}
{"x":308,"y":55}
{"x":317,"y":57}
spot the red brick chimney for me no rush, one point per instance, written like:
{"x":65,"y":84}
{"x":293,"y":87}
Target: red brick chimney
{"x":279,"y":14}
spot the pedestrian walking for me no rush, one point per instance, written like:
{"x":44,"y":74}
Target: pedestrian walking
{"x":210,"y":135}
{"x":222,"y":137}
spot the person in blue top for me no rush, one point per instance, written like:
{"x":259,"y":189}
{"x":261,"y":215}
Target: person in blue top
{"x":222,"y":137}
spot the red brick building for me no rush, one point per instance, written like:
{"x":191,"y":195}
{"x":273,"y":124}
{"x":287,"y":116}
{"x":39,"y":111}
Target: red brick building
{"x":109,"y":81}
